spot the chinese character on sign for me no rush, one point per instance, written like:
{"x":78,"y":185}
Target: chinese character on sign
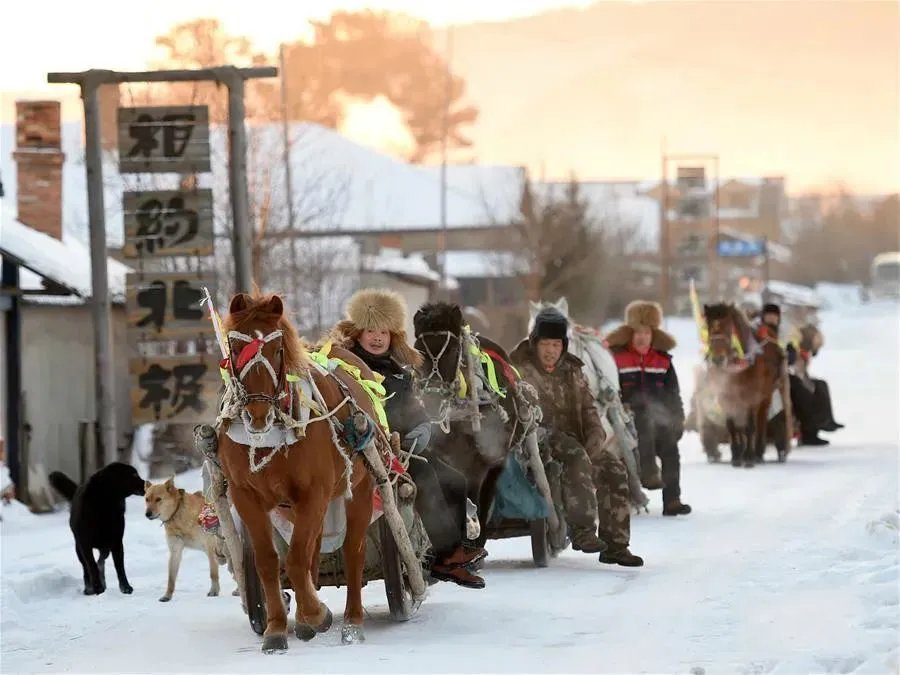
{"x":153,"y":299}
{"x":177,"y":390}
{"x":166,"y":226}
{"x":176,"y":136}
{"x":188,"y":387}
{"x":153,"y":383}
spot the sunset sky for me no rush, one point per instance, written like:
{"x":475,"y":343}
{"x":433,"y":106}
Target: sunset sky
{"x":69,"y":42}
{"x":819,"y":105}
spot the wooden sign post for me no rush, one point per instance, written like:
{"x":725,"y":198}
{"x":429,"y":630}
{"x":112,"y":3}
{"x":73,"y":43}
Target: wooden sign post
{"x":176,"y":140}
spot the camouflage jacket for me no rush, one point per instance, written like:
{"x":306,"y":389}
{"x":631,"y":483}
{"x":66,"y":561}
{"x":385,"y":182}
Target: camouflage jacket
{"x":565,"y":397}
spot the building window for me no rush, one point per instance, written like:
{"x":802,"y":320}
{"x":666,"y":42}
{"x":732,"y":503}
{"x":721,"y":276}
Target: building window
{"x":693,"y":206}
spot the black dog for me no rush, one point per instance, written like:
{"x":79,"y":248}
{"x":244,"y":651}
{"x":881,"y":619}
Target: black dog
{"x":97,"y":520}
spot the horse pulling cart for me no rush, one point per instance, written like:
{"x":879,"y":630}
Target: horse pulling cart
{"x":383,"y":560}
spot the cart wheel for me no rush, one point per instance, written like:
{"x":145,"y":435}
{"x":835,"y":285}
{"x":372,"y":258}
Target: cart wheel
{"x":256,"y":603}
{"x":540,"y":542}
{"x":396,"y":587}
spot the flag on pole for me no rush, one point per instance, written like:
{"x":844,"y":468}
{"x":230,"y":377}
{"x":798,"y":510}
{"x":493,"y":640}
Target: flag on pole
{"x":216,"y":321}
{"x":698,"y":316}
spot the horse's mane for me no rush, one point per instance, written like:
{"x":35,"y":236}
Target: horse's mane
{"x":438,"y":316}
{"x":262,"y":309}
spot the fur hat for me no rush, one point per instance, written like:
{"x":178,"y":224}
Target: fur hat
{"x":377,"y":309}
{"x":642,"y":313}
{"x":550,"y":324}
{"x":771,"y":308}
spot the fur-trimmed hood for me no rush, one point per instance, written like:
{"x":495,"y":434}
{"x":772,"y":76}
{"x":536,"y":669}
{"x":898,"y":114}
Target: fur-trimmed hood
{"x":377,"y":309}
{"x":642,"y":313}
{"x":524,"y":352}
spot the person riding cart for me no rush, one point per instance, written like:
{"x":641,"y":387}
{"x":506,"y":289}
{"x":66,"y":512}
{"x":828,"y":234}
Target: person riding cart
{"x":594,"y":481}
{"x":810,"y":397}
{"x":375,"y":330}
{"x":650,"y":389}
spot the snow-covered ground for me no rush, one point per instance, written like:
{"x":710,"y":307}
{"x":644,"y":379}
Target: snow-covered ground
{"x":783,"y":569}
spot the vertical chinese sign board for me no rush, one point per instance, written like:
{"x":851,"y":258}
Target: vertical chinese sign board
{"x":163,"y":227}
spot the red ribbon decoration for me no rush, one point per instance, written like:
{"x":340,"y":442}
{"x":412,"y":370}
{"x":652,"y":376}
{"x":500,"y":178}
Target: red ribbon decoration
{"x":248,"y":353}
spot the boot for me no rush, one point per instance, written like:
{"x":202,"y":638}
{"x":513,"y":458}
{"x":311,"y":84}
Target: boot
{"x":652,"y":481}
{"x":458,"y":575}
{"x":832,"y":426}
{"x":814,"y":440}
{"x":676,"y":508}
{"x":463,"y":556}
{"x":621,"y":556}
{"x":585,"y":540}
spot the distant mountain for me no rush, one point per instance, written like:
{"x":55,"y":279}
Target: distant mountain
{"x":803,"y":89}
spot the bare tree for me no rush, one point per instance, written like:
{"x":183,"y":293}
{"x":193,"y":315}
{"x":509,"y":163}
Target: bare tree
{"x":566,"y":249}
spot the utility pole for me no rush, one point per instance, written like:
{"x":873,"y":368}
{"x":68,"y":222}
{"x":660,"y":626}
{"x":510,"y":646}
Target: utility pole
{"x":90,"y":82}
{"x":288,"y":182}
{"x":448,"y":90}
{"x":664,"y":243}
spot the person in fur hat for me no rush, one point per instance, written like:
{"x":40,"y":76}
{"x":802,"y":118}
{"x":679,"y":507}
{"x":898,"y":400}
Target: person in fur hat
{"x":375,"y":330}
{"x":641,"y":349}
{"x":596,"y":496}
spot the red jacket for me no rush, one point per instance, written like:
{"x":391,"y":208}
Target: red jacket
{"x":649,"y":384}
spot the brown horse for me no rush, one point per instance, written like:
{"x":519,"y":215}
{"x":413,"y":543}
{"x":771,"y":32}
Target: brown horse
{"x":287,"y":465}
{"x":744,"y":390}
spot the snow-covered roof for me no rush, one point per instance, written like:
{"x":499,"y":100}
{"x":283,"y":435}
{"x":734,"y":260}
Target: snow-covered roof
{"x":66,"y":263}
{"x":484,"y":264}
{"x":338,"y":184}
{"x":412,"y":267}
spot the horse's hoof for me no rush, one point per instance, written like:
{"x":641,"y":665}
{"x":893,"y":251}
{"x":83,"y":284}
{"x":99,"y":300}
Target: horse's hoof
{"x":326,"y":622}
{"x":307,"y":632}
{"x":304,"y":631}
{"x":236,"y":592}
{"x":736,"y":464}
{"x":165,"y":598}
{"x":352,"y":634}
{"x":782,"y":456}
{"x":273,"y":644}
{"x":749,"y":465}
{"x":213,"y":593}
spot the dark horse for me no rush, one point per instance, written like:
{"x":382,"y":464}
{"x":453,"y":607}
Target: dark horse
{"x":479,"y":455}
{"x":744,"y":390}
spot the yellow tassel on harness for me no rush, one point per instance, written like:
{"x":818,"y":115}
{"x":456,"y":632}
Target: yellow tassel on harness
{"x":374,"y":388}
{"x":704,"y":331}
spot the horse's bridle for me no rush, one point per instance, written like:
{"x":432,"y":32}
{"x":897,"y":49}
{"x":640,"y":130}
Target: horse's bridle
{"x":434,"y":382}
{"x":251,"y":355}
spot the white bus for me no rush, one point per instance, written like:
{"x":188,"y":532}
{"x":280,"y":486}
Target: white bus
{"x":886,"y":275}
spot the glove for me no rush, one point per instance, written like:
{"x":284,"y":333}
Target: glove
{"x":421,"y":434}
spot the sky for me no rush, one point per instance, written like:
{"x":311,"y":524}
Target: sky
{"x":124,"y":40}
{"x":106,"y":34}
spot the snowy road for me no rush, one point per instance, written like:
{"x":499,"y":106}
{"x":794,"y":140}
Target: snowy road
{"x":781,"y":569}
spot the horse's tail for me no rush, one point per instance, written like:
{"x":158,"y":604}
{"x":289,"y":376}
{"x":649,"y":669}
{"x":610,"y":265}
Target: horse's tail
{"x":63,"y":484}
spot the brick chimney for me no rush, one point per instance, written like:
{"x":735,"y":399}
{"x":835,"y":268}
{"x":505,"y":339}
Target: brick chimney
{"x":39,"y":163}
